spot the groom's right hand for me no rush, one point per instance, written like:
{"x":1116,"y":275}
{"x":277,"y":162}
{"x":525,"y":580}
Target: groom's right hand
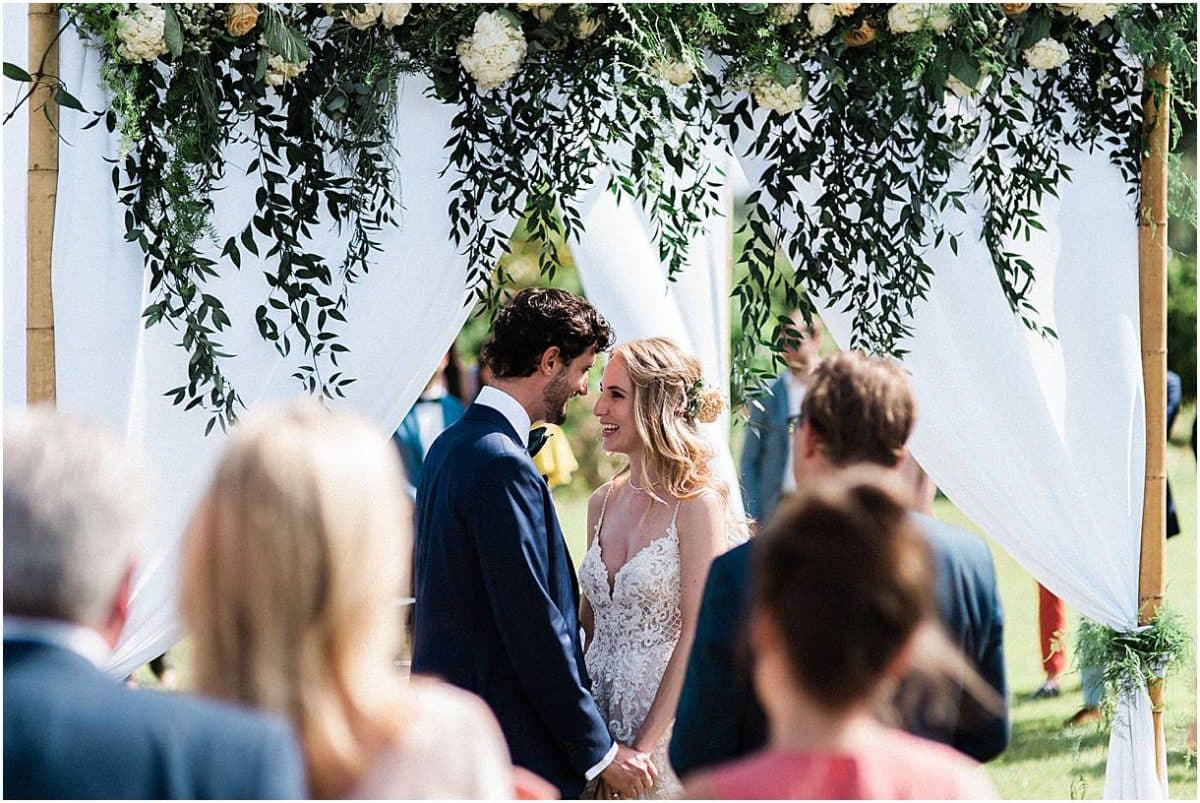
{"x":631,"y":773}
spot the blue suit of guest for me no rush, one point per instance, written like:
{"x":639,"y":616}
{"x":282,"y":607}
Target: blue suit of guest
{"x":720,"y":719}
{"x":408,"y":435}
{"x":765,"y":451}
{"x":72,"y":732}
{"x":496,"y":594}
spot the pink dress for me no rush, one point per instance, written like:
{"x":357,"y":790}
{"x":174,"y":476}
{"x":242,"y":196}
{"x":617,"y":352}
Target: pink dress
{"x":900,"y":767}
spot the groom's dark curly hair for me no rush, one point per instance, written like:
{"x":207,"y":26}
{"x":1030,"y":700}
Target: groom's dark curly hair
{"x":536,"y":319}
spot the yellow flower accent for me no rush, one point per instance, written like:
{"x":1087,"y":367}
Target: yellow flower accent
{"x":862,"y":35}
{"x":242,"y":18}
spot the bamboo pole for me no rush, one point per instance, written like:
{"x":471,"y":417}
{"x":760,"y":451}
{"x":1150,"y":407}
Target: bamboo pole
{"x":1152,"y":259}
{"x":41,"y":196}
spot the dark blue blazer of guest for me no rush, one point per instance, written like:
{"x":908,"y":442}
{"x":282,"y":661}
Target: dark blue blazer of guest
{"x":719,"y":718}
{"x":496,"y":595}
{"x":407,"y":436}
{"x":72,"y":732}
{"x":765,"y":451}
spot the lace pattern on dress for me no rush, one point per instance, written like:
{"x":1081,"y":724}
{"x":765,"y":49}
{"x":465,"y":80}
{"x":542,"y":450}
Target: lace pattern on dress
{"x":637,"y":625}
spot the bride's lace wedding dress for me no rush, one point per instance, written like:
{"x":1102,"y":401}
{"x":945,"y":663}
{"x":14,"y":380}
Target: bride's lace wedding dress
{"x":637,"y":623}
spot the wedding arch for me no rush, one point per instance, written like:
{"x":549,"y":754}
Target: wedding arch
{"x":258,"y":199}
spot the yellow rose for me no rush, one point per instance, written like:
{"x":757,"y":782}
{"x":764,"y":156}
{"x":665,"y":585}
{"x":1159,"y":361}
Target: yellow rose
{"x":862,"y":35}
{"x":1013,"y":9}
{"x":242,"y":18}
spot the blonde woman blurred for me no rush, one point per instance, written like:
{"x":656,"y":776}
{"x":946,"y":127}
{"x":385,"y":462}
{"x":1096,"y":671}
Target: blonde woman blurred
{"x":292,"y":566}
{"x":653,"y":531}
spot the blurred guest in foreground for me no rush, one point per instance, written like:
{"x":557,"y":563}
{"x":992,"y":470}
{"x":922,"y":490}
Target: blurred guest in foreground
{"x":842,"y":589}
{"x":292,"y":566}
{"x":74,"y":513}
{"x":858,"y":409}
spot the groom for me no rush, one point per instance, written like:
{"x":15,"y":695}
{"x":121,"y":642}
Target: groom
{"x":495,"y":590}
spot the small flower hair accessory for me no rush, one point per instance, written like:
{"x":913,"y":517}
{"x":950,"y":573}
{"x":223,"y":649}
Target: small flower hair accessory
{"x":701,"y":403}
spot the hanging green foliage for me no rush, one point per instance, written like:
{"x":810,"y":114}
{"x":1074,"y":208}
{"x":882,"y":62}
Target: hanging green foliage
{"x":875,"y":104}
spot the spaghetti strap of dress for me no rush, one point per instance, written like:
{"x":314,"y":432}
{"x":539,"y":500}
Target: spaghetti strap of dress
{"x":604,"y":507}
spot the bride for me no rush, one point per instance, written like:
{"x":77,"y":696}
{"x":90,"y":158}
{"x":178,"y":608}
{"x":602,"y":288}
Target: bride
{"x":653,"y":531}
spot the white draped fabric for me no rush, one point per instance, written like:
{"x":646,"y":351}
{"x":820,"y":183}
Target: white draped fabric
{"x":407,"y":311}
{"x":622,"y":275}
{"x":1041,"y":442}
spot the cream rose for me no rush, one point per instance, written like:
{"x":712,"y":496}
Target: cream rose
{"x":494,"y":52}
{"x":363,"y":19}
{"x":678,"y":72}
{"x":1096,"y":13}
{"x":394,"y":14}
{"x":844,"y":9}
{"x":821,"y":18}
{"x":1047,"y":54}
{"x":774,"y":96}
{"x":912,"y":17}
{"x":784,"y":13}
{"x":543,"y":11}
{"x":279,"y":71}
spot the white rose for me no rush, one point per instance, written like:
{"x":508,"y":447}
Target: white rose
{"x":394,"y":14}
{"x":820,"y":17}
{"x":1096,"y":13}
{"x":912,"y":17}
{"x":141,"y":33}
{"x":844,"y":9}
{"x":961,"y":88}
{"x":784,"y":13}
{"x":905,"y":17}
{"x":363,"y":19}
{"x":279,"y":71}
{"x":494,"y":52}
{"x":678,"y":72}
{"x":1047,"y":54}
{"x":774,"y":96}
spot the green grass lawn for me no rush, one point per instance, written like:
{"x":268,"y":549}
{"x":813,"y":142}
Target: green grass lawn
{"x":1045,"y":760}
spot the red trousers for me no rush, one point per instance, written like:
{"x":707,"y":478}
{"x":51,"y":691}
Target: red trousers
{"x":1052,"y":625}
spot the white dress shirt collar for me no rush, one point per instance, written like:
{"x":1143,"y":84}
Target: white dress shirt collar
{"x":509,"y":407}
{"x":79,"y":639}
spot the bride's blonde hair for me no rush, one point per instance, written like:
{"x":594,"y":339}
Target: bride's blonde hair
{"x":669,"y":401}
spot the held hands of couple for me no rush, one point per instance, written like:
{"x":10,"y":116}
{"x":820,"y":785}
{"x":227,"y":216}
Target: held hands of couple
{"x":630,"y":774}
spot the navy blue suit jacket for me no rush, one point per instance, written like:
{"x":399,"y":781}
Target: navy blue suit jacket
{"x":407,"y":436}
{"x":765,"y":451}
{"x":719,"y":718}
{"x":72,"y":732}
{"x":496,"y":598}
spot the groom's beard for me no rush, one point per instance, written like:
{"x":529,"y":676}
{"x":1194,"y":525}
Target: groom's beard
{"x":555,"y":398}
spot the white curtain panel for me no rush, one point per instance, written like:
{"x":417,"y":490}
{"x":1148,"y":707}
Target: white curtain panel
{"x":623,"y":276}
{"x":404,"y":315}
{"x":1041,"y":441}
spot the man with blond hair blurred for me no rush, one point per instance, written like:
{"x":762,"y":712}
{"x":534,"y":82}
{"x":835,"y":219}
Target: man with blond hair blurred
{"x":74,"y":514}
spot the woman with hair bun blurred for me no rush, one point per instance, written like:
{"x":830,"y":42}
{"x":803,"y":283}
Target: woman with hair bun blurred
{"x":292,"y":566}
{"x":842,"y":595}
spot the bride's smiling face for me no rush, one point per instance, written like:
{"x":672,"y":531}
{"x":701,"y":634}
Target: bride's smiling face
{"x":614,"y":408}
